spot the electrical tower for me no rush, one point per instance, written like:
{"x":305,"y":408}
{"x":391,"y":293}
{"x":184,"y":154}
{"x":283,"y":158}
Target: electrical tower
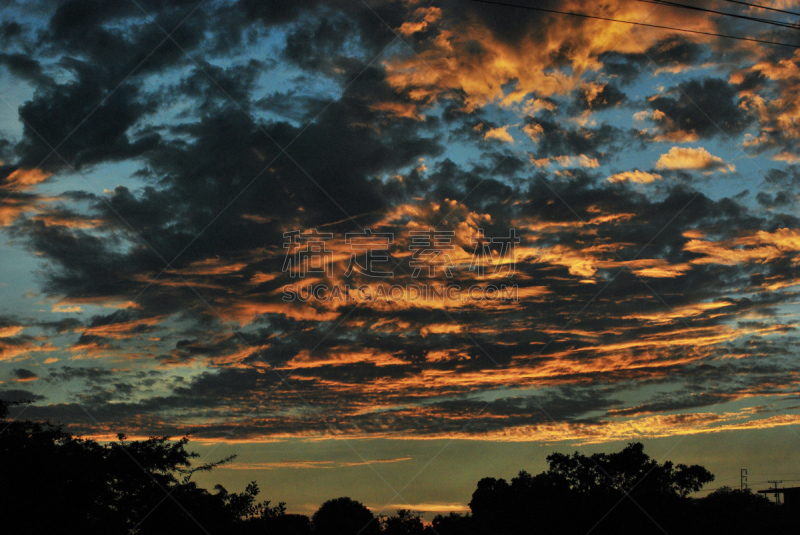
{"x":777,"y":494}
{"x":743,"y":479}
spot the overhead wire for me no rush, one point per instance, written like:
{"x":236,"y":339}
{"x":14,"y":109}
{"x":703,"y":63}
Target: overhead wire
{"x":723,"y":13}
{"x":768,"y":8}
{"x":597,"y":17}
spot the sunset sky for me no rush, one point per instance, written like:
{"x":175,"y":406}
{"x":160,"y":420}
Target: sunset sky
{"x":162,"y":162}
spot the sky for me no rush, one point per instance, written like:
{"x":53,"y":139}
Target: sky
{"x":382,"y":249}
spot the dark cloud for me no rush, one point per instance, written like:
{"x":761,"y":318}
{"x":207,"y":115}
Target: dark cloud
{"x":17,"y":395}
{"x":673,"y":53}
{"x":24,"y":67}
{"x":780,"y":199}
{"x":272,"y":13}
{"x":315,"y":47}
{"x":608,"y":96}
{"x":706,"y":108}
{"x":558,"y":140}
{"x":22,"y":374}
{"x":10,"y":30}
{"x":50,"y":118}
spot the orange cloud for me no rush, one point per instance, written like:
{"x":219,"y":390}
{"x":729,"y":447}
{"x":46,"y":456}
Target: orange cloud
{"x":65,"y":309}
{"x":451,"y":65}
{"x":25,"y":379}
{"x":534,"y":131}
{"x":698,"y":159}
{"x":76,"y":222}
{"x":20,"y":350}
{"x":787,"y":157}
{"x":426,"y":507}
{"x":212,"y":267}
{"x":579,"y":161}
{"x":244,"y":311}
{"x":26,"y":178}
{"x":431,"y":15}
{"x":500,"y":134}
{"x":407,"y":110}
{"x":637,"y":176}
{"x":441,"y":328}
{"x":120,"y":330}
{"x":760,"y":247}
{"x":11,"y":330}
{"x":685,"y":311}
{"x":332,"y":357}
{"x":661,"y":269}
{"x":657,"y":426}
{"x":12,"y":208}
{"x":308,"y":464}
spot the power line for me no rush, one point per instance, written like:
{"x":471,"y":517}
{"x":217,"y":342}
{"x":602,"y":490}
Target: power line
{"x":723,"y":13}
{"x":764,"y":7}
{"x":746,"y":483}
{"x":584,"y":15}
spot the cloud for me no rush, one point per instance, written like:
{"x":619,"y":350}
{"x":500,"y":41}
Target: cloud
{"x":22,"y":375}
{"x":426,"y":507}
{"x":8,"y":328}
{"x":594,"y":96}
{"x":328,"y":134}
{"x":787,"y":157}
{"x":697,"y":110}
{"x":25,"y":178}
{"x":640,"y":177}
{"x":492,"y":54}
{"x":500,"y":133}
{"x":429,"y":15}
{"x":534,"y":131}
{"x":20,"y":395}
{"x":699,"y":159}
{"x":308,"y":464}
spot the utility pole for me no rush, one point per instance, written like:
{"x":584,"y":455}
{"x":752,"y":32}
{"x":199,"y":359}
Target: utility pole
{"x":777,"y":494}
{"x":743,"y":479}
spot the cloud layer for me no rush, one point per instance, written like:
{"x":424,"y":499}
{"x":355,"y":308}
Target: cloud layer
{"x":158,"y":161}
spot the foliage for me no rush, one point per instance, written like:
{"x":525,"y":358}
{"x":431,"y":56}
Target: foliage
{"x":141,"y":486}
{"x":628,"y":471}
{"x":626,"y":490}
{"x":55,"y":482}
{"x":405,"y":522}
{"x":344,"y":516}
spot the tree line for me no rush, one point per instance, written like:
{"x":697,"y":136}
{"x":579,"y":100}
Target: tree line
{"x":52,"y":481}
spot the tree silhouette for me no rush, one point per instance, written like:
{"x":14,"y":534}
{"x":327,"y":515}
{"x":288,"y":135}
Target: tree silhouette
{"x":405,"y":522}
{"x":52,"y":481}
{"x":630,"y":470}
{"x":453,"y":524}
{"x":728,"y":510}
{"x":142,"y":487}
{"x":343,"y":516}
{"x":624,"y":490}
